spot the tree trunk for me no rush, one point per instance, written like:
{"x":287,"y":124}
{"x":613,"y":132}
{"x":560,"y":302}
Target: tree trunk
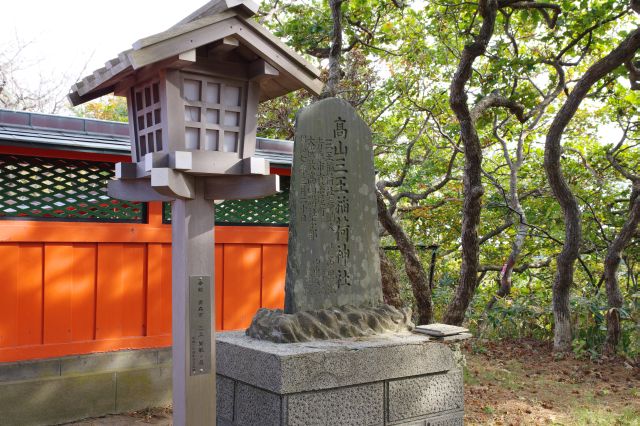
{"x":611,"y":263}
{"x":521,"y":235}
{"x":412,"y":265}
{"x":335,"y":54}
{"x":472,"y":179}
{"x":507,"y":270}
{"x":390,"y":281}
{"x":562,"y":192}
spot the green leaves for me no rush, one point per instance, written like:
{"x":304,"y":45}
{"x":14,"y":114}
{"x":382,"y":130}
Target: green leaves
{"x":112,"y":108}
{"x":398,"y":67}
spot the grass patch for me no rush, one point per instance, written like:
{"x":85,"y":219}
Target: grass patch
{"x":602,"y":417}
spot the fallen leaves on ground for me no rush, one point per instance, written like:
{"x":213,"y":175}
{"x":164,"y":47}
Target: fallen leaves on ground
{"x":521,"y":382}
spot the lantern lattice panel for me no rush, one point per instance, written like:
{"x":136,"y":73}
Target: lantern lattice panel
{"x":148,"y":119}
{"x":60,"y":189}
{"x":213,"y":113}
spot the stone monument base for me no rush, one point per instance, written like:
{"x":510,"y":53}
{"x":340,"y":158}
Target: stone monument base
{"x":398,"y":379}
{"x":334,"y":323}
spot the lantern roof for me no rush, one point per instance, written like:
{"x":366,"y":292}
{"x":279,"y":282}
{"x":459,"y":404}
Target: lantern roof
{"x":221,"y":25}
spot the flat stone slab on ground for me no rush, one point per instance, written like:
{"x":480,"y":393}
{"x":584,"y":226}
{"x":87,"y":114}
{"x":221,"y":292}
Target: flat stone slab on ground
{"x":122,"y":420}
{"x":440,"y":330}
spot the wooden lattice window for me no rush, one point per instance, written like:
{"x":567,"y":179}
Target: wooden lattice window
{"x":148,"y":118}
{"x":37,"y":188}
{"x":213,"y":113}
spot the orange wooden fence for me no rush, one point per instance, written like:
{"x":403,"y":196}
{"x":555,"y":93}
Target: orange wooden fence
{"x":74,"y":288}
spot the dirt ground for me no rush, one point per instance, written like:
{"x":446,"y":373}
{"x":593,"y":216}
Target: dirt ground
{"x":523,"y":383}
{"x":516,"y":383}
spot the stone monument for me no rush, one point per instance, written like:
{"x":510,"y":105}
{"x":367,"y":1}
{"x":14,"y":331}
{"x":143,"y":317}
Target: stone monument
{"x":333,"y":239}
{"x":333,"y":284}
{"x":336,"y":355}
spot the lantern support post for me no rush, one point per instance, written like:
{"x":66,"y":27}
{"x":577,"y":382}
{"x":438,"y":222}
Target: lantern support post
{"x":193,"y":299}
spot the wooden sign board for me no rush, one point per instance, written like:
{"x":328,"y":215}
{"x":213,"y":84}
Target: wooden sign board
{"x":200,"y":324}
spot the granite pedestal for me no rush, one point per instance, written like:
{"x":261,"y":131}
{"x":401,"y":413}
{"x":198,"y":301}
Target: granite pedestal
{"x":400,"y":379}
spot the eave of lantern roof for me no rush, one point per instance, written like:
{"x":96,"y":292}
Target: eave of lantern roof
{"x":295,"y":71}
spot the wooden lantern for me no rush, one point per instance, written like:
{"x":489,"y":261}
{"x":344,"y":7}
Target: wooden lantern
{"x":193,"y":94}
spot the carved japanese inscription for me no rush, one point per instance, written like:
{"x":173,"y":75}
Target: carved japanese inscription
{"x":199,"y":325}
{"x":333,"y":236}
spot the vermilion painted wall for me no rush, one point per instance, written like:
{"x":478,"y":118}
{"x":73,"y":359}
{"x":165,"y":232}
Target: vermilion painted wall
{"x":75,"y":288}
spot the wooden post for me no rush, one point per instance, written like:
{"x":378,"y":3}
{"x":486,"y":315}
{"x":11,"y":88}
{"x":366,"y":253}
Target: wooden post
{"x":194,"y":388}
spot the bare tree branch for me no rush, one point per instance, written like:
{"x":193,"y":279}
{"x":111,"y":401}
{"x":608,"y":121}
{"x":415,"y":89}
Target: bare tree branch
{"x":496,"y":100}
{"x":519,"y":269}
{"x":613,"y":159}
{"x":335,"y":54}
{"x":543,"y":8}
{"x":585,"y":33}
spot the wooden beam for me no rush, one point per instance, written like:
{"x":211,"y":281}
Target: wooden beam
{"x":177,"y":30}
{"x":155,"y":160}
{"x":172,"y":111}
{"x":282,"y":58}
{"x":135,"y":190}
{"x":172,"y":184}
{"x":154,"y":71}
{"x":176,"y":45}
{"x":261,"y":69}
{"x":187,"y":57}
{"x":133,"y":132}
{"x":199,"y":163}
{"x":73,"y":97}
{"x":250,"y":120}
{"x":126,"y":171}
{"x":241,"y":187}
{"x":247,"y":7}
{"x":225,"y":45}
{"x":214,"y":163}
{"x":256,"y":166}
{"x":292,"y":54}
{"x":181,"y":160}
{"x":216,"y":68}
{"x":76,"y":99}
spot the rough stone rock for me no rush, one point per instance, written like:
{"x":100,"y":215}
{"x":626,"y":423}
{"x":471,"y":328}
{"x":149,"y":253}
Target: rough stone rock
{"x":334,"y":323}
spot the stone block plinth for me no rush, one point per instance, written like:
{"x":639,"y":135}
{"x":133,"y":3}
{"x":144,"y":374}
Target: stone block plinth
{"x":60,"y":390}
{"x":400,"y":379}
